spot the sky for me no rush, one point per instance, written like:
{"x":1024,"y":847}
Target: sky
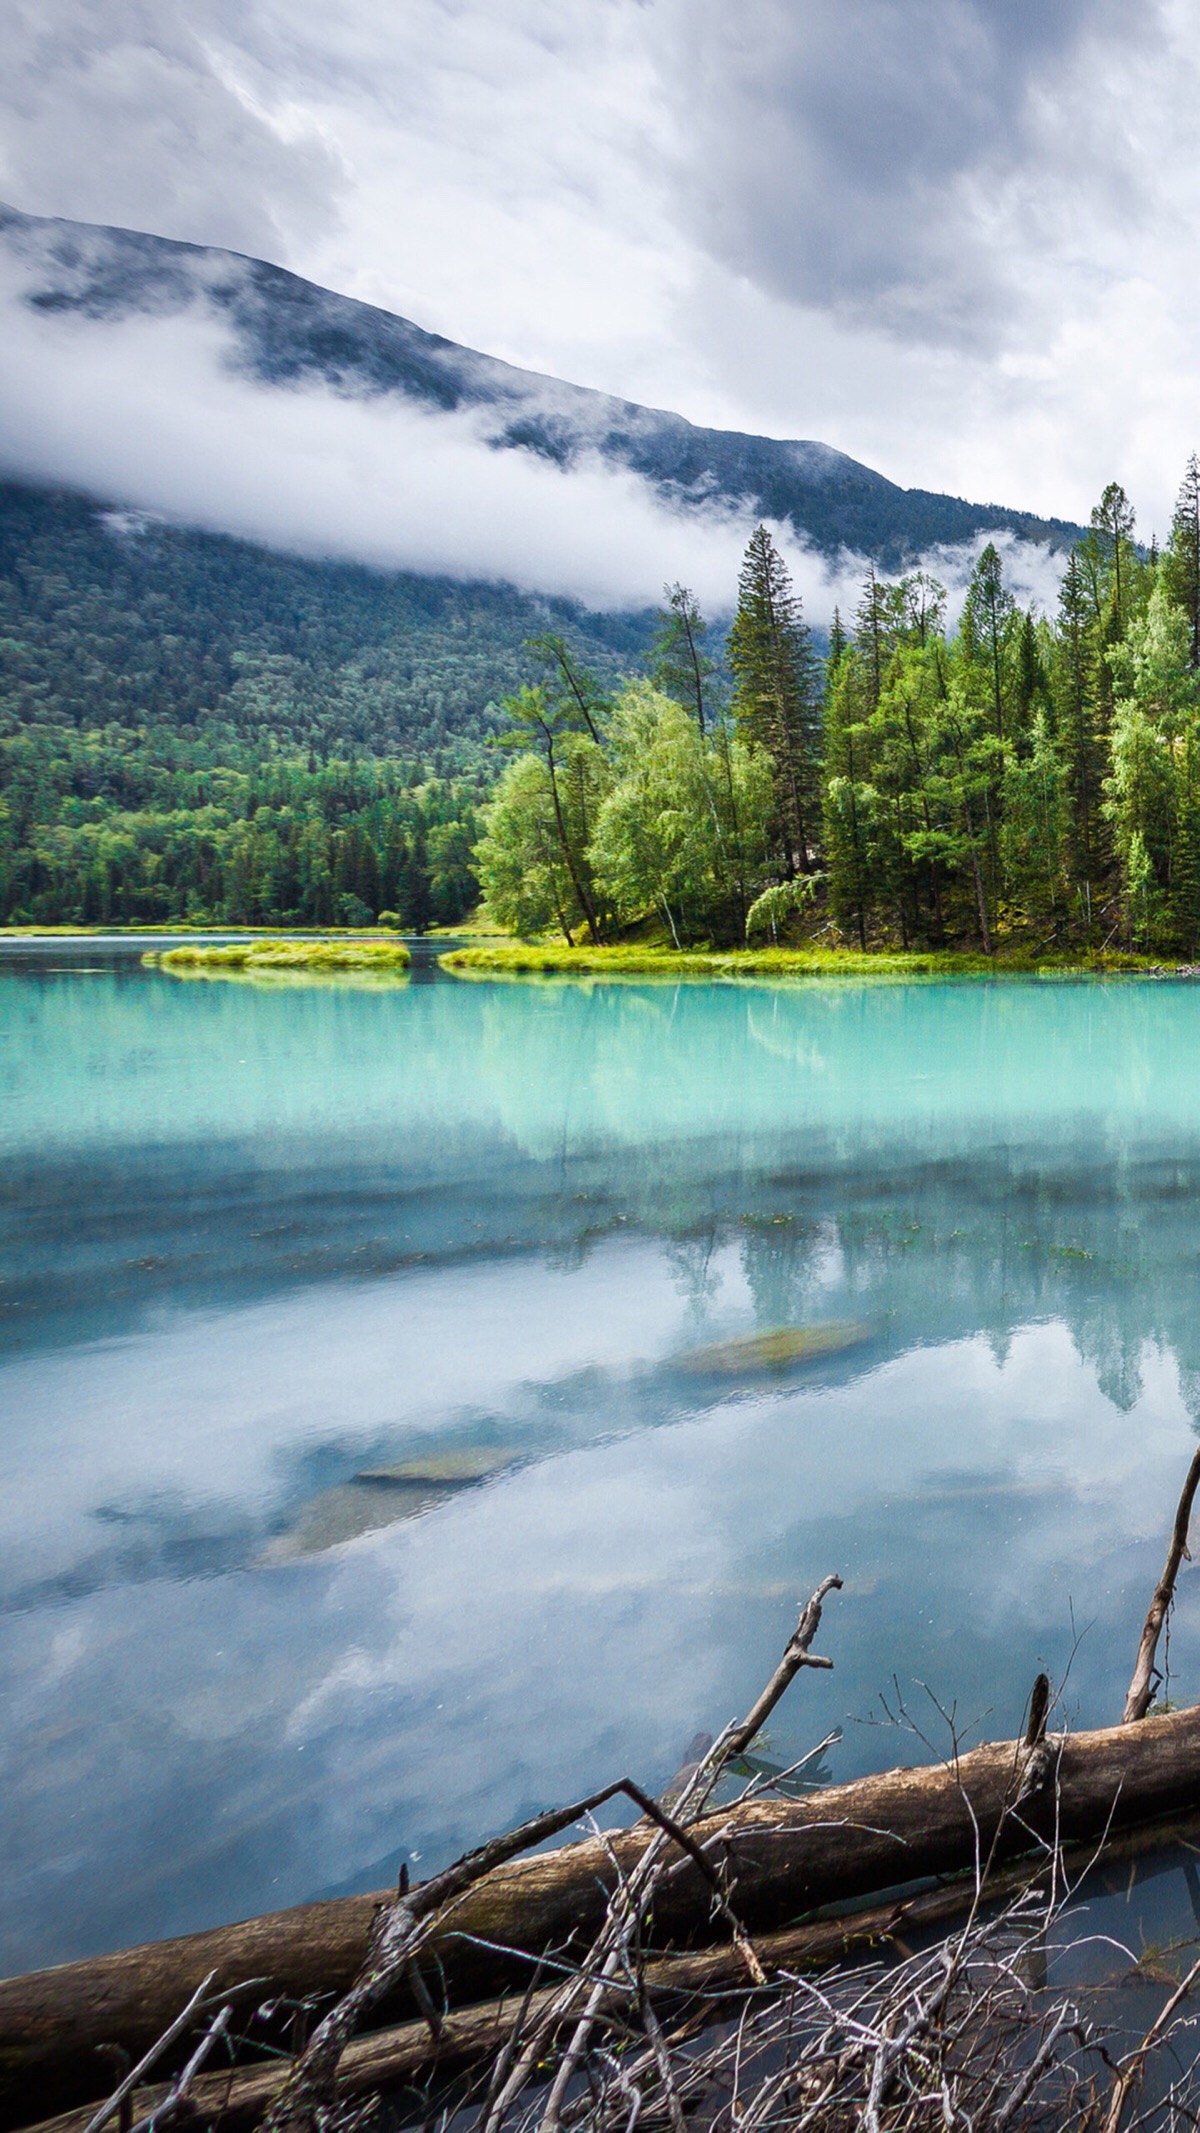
{"x":955,"y":238}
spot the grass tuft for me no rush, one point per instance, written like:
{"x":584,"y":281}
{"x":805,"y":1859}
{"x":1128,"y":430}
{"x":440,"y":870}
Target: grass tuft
{"x":263,"y":955}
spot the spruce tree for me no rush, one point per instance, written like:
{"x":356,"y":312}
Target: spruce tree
{"x":777,"y":698}
{"x":847,"y":797}
{"x":1181,"y":564}
{"x":986,"y":625}
{"x":1113,"y":521}
{"x":1082,"y":749}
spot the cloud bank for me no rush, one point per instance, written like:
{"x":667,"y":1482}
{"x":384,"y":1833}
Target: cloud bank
{"x":954,"y":238}
{"x":149,"y":413}
{"x":152,"y":413}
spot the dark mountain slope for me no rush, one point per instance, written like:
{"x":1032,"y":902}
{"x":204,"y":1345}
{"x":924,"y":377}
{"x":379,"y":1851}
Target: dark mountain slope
{"x":109,"y":618}
{"x":286,"y":330}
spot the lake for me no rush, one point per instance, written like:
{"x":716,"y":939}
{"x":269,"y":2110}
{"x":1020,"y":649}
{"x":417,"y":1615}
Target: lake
{"x":365,"y":1484}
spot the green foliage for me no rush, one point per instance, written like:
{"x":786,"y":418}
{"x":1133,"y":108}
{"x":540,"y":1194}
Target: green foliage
{"x":680,"y":665}
{"x":532,"y":859}
{"x":192,"y":728}
{"x":777,"y":702}
{"x":1153,"y":787}
{"x":287,"y":955}
{"x":780,"y":903}
{"x":684,"y":830}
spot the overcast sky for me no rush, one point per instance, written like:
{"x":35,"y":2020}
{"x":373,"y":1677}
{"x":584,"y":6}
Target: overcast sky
{"x":956,"y":238}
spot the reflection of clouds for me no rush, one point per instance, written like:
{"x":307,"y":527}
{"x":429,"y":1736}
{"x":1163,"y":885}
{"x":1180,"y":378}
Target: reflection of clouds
{"x":273,"y":1732}
{"x":205,"y":1422}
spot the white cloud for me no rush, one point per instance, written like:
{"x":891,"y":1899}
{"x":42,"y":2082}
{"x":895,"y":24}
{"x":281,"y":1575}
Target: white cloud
{"x":956,"y":240}
{"x":148,"y":413}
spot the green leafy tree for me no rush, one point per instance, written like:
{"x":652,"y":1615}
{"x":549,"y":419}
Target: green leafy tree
{"x":680,"y":666}
{"x":1154,"y":783}
{"x":573,"y":763}
{"x":684,"y":829}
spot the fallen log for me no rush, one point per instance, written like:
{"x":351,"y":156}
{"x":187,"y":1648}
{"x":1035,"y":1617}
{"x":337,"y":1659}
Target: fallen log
{"x":409,"y":2051}
{"x":783,"y":1858}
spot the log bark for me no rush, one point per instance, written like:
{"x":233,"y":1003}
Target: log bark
{"x":408,"y":2052}
{"x":784,"y":1858}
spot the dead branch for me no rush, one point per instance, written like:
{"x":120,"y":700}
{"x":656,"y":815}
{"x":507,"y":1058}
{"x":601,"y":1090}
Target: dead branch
{"x":796,"y":1655}
{"x":1145,"y":1676}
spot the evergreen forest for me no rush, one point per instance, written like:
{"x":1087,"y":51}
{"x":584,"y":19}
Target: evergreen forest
{"x":194,"y":729}
{"x":1020,"y":781}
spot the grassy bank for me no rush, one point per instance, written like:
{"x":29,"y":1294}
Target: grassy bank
{"x":384,"y":957}
{"x":519,"y":959}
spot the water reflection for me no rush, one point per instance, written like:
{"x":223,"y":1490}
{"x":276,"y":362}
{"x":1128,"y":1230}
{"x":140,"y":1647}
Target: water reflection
{"x":360,"y":1490}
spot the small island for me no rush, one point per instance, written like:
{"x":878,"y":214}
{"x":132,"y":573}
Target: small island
{"x":251,"y":957}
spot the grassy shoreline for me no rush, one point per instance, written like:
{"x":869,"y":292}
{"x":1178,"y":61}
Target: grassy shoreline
{"x":249,"y":957}
{"x":521,"y":959}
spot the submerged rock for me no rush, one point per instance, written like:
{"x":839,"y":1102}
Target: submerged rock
{"x":457,"y":1467}
{"x":783,"y":1348}
{"x":383,"y":1496}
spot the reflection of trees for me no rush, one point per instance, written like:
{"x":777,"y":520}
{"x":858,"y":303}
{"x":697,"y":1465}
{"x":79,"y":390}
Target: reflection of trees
{"x":940,"y":1159}
{"x":945,"y":1249}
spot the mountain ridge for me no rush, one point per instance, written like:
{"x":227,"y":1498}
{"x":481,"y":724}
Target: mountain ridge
{"x":287,"y":331}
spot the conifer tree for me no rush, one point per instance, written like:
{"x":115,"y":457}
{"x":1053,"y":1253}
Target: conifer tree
{"x":1113,"y":521}
{"x":986,"y":625}
{"x":777,"y":700}
{"x":1079,"y":741}
{"x":847,"y":797}
{"x":1181,"y":564}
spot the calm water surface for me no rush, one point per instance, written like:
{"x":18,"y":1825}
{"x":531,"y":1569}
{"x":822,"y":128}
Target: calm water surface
{"x":361,"y":1491}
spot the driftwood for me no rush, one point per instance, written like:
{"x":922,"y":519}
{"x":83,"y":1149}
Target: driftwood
{"x":1145,"y":1674}
{"x":409,"y":2051}
{"x":783,"y":1859}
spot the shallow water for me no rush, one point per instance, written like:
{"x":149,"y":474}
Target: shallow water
{"x":464,"y":1239}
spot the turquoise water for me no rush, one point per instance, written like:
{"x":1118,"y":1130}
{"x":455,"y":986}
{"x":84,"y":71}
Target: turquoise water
{"x":258,"y":1242}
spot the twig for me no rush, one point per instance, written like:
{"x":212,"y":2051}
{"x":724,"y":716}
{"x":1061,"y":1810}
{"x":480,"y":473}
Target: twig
{"x":1133,"y":2067}
{"x":795,"y":1656}
{"x":138,"y":2072}
{"x":179,"y":2090}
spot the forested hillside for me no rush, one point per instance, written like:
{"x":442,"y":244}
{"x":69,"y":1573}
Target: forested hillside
{"x":191,"y":726}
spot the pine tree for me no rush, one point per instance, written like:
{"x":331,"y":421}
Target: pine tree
{"x":1079,"y":741}
{"x":1029,"y":686}
{"x":1181,"y":564}
{"x":986,"y":625}
{"x":1113,"y":521}
{"x":847,"y":798}
{"x":777,"y":699}
{"x":874,"y":633}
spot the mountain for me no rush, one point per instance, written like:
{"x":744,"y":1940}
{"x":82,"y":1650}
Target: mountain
{"x":111,"y":619}
{"x":286,"y":331}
